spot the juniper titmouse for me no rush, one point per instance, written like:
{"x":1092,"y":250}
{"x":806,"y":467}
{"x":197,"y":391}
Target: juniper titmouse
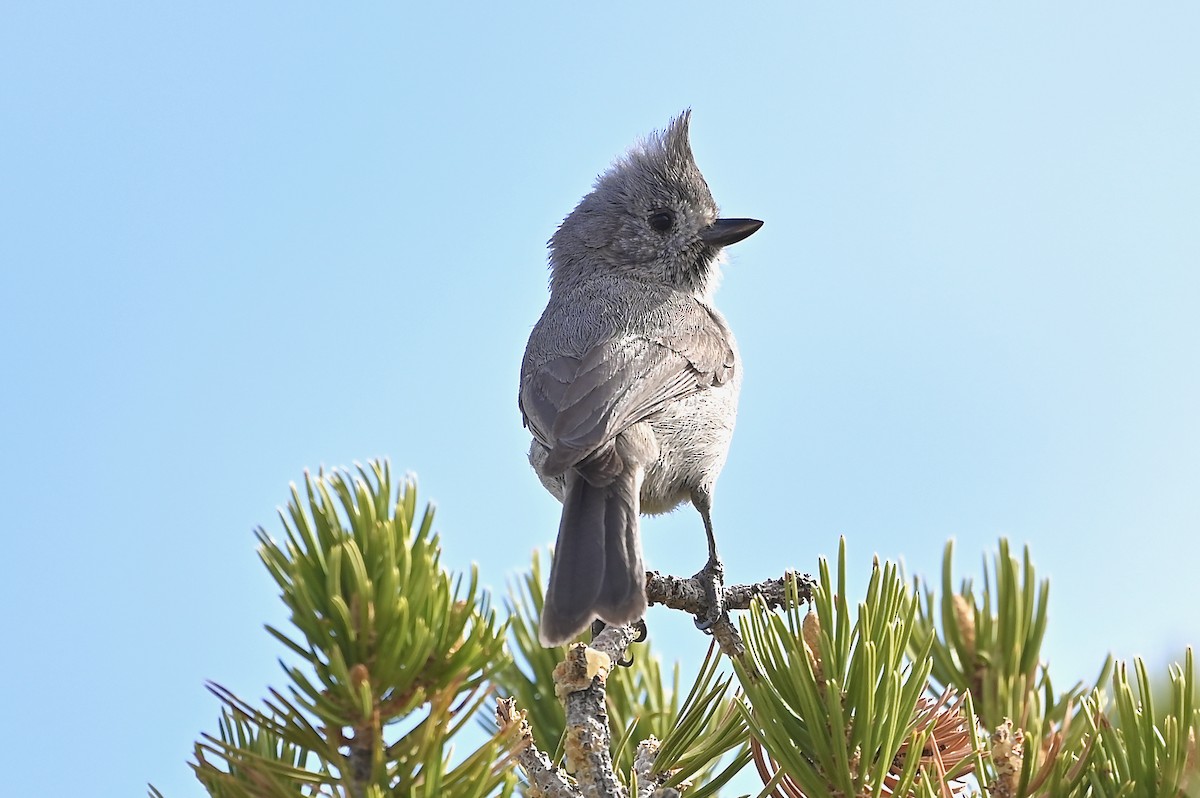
{"x":630,"y":378}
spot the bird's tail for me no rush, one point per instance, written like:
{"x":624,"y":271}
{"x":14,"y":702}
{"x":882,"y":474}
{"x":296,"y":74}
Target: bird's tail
{"x":597,"y":570}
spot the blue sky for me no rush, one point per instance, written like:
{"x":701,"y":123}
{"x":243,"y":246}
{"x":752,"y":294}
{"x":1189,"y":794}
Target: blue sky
{"x":238,"y":241}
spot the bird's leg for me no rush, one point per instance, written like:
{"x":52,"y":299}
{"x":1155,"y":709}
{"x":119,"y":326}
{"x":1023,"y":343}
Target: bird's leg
{"x":712,"y":575}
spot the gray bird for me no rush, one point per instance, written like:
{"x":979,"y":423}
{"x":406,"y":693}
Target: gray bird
{"x":630,"y":379}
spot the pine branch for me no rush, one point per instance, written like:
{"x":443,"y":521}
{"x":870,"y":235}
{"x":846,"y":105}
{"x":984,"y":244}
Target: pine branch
{"x":883,"y":700}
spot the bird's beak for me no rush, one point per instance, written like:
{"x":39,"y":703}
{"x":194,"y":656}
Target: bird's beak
{"x":724,"y":232}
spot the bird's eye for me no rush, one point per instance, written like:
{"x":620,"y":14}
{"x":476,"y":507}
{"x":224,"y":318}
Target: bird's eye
{"x":662,"y":221}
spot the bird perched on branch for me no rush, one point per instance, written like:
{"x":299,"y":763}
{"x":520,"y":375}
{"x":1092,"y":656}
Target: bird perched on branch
{"x":630,"y":380}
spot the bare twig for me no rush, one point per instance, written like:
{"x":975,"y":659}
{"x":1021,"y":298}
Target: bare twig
{"x":649,"y":783}
{"x":580,"y":681}
{"x":538,"y":767}
{"x":688,"y":595}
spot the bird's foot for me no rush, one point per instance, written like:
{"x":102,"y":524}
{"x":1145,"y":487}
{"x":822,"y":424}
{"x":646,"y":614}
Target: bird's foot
{"x":639,"y":626}
{"x":712,"y":580}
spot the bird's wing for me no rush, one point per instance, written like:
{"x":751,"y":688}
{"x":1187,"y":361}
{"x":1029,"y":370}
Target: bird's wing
{"x":575,"y":406}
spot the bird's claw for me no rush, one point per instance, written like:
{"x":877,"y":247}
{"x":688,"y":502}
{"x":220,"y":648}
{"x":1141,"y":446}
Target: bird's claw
{"x":642,"y":631}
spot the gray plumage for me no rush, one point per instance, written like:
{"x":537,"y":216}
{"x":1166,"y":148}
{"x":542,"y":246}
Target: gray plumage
{"x":630,"y":380}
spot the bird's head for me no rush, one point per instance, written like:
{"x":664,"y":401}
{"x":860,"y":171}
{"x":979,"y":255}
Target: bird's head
{"x":650,"y":217}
